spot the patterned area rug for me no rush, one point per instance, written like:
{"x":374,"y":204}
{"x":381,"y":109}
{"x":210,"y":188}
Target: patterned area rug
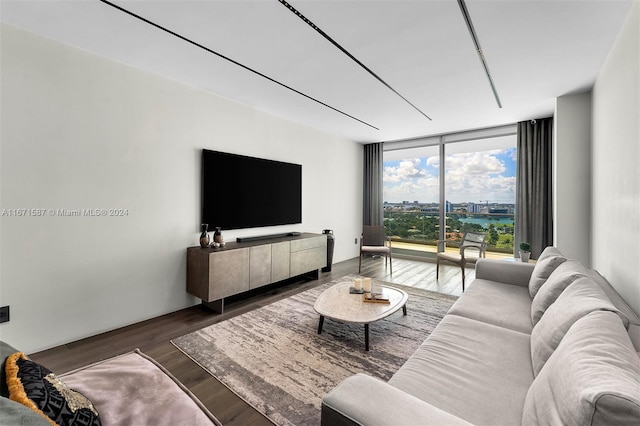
{"x":274,"y":358}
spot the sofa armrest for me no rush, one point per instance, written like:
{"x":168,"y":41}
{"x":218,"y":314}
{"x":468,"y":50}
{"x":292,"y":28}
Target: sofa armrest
{"x":364,"y":400}
{"x":517,"y":273}
{"x":15,"y":414}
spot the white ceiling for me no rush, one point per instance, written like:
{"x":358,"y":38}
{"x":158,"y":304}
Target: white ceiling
{"x":536,"y":51}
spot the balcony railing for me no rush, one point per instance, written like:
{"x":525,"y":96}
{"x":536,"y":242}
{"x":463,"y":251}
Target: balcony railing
{"x":416,"y":232}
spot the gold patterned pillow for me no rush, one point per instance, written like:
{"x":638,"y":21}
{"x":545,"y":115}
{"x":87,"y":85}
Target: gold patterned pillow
{"x":39,"y":389}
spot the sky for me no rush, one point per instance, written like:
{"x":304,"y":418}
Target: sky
{"x":470,"y":177}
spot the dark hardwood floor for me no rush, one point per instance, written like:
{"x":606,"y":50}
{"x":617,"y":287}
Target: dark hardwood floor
{"x":153,"y":336}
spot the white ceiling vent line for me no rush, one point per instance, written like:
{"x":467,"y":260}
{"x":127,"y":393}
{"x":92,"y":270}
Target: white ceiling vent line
{"x":346,"y":52}
{"x":476,"y":42}
{"x":226,"y":58}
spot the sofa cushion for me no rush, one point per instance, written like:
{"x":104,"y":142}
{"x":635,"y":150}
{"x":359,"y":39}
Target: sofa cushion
{"x":614,"y":297}
{"x":515,"y":273}
{"x":343,"y":406}
{"x":38,"y":388}
{"x":13,"y":414}
{"x":542,"y":270}
{"x":634,"y":335}
{"x":550,"y":251}
{"x":579,"y":299}
{"x":496,"y":303}
{"x":592,"y":378}
{"x":466,"y":366}
{"x":559,"y":279}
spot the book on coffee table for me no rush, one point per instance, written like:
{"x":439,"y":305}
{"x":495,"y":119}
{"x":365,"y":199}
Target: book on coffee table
{"x":375,"y":298}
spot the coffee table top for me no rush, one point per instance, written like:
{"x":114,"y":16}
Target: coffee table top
{"x":337,"y":303}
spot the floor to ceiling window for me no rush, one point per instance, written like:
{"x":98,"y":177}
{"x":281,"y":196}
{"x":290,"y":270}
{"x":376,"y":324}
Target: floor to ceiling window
{"x":411,"y":199}
{"x":438,"y":188}
{"x":480,"y":184}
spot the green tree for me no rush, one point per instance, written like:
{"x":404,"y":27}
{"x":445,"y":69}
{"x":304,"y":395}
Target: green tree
{"x":493,"y":236}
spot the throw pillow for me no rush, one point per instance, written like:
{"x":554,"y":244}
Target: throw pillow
{"x":559,"y":279}
{"x":592,"y":378}
{"x":39,"y":389}
{"x":6,"y":350}
{"x":580,"y":298}
{"x":541,"y":271}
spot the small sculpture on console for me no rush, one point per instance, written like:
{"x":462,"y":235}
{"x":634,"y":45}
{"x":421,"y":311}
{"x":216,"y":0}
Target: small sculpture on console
{"x":217,"y":237}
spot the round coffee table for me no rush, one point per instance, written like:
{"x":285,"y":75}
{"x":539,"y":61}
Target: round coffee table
{"x":338,"y":304}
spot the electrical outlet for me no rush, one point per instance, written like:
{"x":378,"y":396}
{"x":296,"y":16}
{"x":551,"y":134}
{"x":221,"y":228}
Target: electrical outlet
{"x":355,"y":240}
{"x":4,"y":314}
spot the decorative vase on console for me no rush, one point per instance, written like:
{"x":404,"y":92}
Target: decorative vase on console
{"x":330,"y":244}
{"x":204,"y":236}
{"x":217,"y":236}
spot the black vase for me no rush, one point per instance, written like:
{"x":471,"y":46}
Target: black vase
{"x":217,"y":236}
{"x":204,"y":236}
{"x":331,"y":242}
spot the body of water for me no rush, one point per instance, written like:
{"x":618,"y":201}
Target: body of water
{"x":485,"y":221}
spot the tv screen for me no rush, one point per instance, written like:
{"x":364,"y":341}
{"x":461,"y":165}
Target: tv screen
{"x":247,"y":192}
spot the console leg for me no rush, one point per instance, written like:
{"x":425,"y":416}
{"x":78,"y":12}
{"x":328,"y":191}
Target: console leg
{"x":312,"y":275}
{"x":216,"y":306}
{"x":320,"y":323}
{"x":404,"y":309}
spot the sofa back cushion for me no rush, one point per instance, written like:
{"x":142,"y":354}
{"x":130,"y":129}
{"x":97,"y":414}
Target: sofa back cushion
{"x":560,"y":278}
{"x":543,"y":268}
{"x":613,"y":295}
{"x":550,"y":251}
{"x":592,"y":378}
{"x":580,"y":298}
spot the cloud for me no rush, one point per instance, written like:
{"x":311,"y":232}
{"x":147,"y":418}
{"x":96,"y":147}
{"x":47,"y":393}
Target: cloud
{"x":470,"y":176}
{"x":473,"y":163}
{"x":406,"y":170}
{"x":409,"y":181}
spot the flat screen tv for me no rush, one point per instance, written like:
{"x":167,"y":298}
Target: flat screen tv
{"x":247,"y":192}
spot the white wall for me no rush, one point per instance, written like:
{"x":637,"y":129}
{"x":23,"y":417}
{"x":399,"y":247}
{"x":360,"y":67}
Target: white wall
{"x":616,"y":159}
{"x":572,"y":176}
{"x":82,"y":132}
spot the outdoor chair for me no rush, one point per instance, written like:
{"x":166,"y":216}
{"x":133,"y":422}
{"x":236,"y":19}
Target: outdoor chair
{"x":374,"y":241}
{"x":473,"y":246}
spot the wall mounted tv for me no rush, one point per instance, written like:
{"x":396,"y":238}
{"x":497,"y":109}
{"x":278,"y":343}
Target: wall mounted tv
{"x":247,"y":192}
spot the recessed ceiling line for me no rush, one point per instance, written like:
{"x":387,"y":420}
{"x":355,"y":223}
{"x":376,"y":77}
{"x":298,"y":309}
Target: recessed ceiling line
{"x":226,"y":58}
{"x":476,"y":42}
{"x":346,"y":52}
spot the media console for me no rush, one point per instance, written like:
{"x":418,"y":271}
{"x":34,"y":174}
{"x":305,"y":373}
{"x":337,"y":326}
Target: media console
{"x":216,"y":273}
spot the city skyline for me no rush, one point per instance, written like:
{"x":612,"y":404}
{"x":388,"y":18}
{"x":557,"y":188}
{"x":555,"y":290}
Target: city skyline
{"x":480,"y":176}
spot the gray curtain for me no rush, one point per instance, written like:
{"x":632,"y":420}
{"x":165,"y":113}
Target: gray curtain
{"x":373,"y":210}
{"x":534,"y":186}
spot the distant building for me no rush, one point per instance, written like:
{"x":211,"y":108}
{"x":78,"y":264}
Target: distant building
{"x":497,"y":210}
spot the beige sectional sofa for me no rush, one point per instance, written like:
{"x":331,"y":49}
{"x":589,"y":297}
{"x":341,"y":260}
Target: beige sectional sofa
{"x":550,"y":344}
